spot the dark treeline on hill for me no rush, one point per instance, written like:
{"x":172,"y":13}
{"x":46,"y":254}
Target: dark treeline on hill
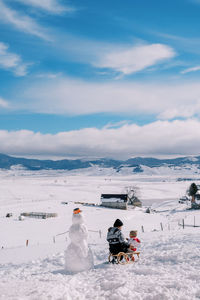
{"x":6,"y":162}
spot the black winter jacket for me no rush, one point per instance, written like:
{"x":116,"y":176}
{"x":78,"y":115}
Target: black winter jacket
{"x":116,"y":240}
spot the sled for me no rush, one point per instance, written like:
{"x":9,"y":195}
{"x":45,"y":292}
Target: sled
{"x":123,"y":258}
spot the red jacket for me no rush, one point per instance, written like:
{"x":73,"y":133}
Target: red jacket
{"x":134,"y":241}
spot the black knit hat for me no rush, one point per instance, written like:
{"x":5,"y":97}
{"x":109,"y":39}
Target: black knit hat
{"x":118,"y":223}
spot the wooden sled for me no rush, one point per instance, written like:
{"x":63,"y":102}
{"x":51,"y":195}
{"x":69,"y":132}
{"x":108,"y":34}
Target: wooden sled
{"x":123,"y":258}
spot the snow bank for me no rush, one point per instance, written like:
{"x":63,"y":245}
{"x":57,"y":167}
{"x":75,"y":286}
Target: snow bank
{"x":168,"y":267}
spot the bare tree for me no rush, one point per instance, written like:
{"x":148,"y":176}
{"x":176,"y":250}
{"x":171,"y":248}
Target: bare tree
{"x":133,"y":193}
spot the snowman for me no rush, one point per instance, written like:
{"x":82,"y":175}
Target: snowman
{"x":78,"y":256}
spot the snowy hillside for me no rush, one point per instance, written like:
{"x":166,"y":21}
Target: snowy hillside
{"x":168,"y":267}
{"x":181,"y":166}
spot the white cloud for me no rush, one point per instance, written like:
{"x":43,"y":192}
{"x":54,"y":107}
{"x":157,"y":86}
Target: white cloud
{"x":75,"y":97}
{"x":116,"y":59}
{"x":184,"y":111}
{"x":3,"y":103}
{"x":52,"y":6}
{"x":158,"y":138}
{"x":193,"y":69}
{"x":48,"y":75}
{"x":21,"y":22}
{"x":188,"y":44}
{"x":115,"y":125}
{"x":136,"y":58}
{"x":11,"y":61}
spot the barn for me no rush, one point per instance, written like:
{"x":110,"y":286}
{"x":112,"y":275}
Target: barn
{"x":118,"y":201}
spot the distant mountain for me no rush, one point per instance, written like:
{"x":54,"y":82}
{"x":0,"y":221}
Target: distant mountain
{"x":137,"y":164}
{"x":6,"y":162}
{"x":154,"y":162}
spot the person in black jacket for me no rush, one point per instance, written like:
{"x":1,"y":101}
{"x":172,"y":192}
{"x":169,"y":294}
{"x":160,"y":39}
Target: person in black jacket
{"x":115,"y":238}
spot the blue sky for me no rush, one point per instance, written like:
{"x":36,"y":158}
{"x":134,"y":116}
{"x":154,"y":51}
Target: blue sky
{"x":99,"y":78}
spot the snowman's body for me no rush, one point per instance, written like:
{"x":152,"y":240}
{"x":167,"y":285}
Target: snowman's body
{"x":78,"y":256}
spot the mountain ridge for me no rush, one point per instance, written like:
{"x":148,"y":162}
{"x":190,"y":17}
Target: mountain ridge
{"x":7,"y":162}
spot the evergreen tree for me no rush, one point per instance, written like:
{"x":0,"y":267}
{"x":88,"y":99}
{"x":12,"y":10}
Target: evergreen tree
{"x":193,"y":190}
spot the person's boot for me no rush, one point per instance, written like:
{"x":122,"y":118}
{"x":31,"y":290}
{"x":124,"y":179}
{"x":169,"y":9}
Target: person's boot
{"x":114,"y":260}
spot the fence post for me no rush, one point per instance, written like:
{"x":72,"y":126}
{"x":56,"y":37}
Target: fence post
{"x":161,"y":225}
{"x":54,"y":239}
{"x":183,"y":224}
{"x":26,"y":243}
{"x":194,"y":222}
{"x":100,"y":233}
{"x":142,"y":228}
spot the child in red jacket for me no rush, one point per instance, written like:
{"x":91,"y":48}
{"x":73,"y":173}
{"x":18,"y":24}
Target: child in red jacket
{"x":134,"y":242}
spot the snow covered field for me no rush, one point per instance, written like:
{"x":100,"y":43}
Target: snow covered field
{"x":167,"y":269}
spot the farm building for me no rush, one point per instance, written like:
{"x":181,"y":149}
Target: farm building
{"x":114,"y":200}
{"x":39,"y":215}
{"x":120,"y":201}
